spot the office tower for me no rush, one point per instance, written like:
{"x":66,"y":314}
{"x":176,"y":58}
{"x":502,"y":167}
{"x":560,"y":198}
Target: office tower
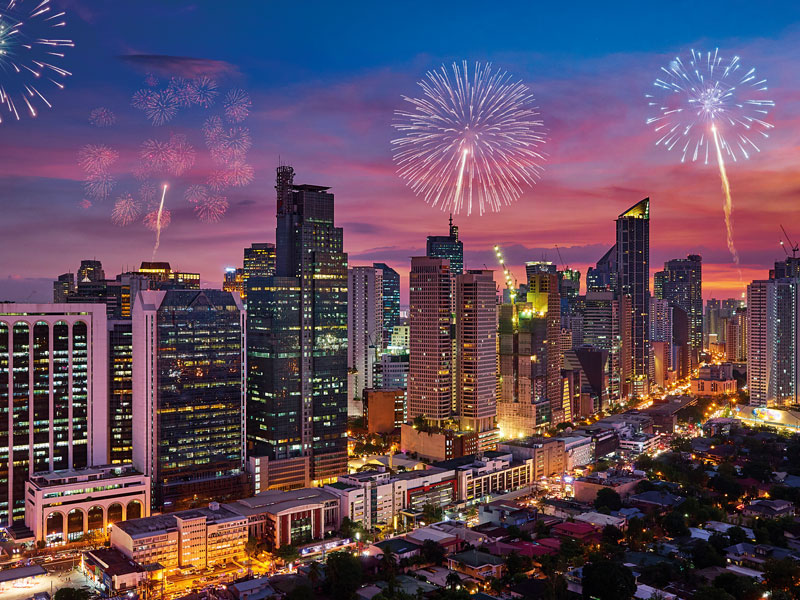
{"x":603,"y":276}
{"x":299,"y":382}
{"x":259,"y":261}
{"x":476,"y":363}
{"x":736,"y":336}
{"x":234,"y":281}
{"x":91,"y":270}
{"x":533,"y":267}
{"x":120,"y":392}
{"x":164,"y":278}
{"x":660,"y":320}
{"x":364,"y":330}
{"x":188,"y":395}
{"x":597,"y":319}
{"x":391,"y":300}
{"x":63,"y":287}
{"x":681,"y":284}
{"x":546,"y":303}
{"x":713,"y":329}
{"x":448,"y":247}
{"x":430,"y":378}
{"x":392,"y":371}
{"x":772,"y":342}
{"x":680,"y":359}
{"x":789,"y":267}
{"x":633,"y":282}
{"x":52,"y":394}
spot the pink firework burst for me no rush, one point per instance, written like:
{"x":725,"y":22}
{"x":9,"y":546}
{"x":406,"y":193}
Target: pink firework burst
{"x":203,"y":91}
{"x":94,"y":158}
{"x":148,"y":192}
{"x":181,"y":88}
{"x":236,"y":142}
{"x":157,"y":156}
{"x":240,"y":173}
{"x":161,"y":107}
{"x":151,"y":219}
{"x":218,"y":180}
{"x":237,"y":106}
{"x":102,"y":117}
{"x":212,"y":209}
{"x":196,"y":193}
{"x":183,"y":154}
{"x":126,"y":211}
{"x":141,"y":99}
{"x":99,"y":185}
{"x":150,"y":80}
{"x":85,"y":204}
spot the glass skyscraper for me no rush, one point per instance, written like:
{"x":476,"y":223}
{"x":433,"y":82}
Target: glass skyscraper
{"x":449,"y":247}
{"x":188,"y":395}
{"x":391,"y":300}
{"x":681,"y":284}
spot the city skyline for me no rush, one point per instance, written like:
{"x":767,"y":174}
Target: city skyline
{"x":330,"y":116}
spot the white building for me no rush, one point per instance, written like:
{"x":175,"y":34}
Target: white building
{"x":53,"y":363}
{"x":372,"y":497}
{"x":66,"y":505}
{"x":578,"y":451}
{"x":490,"y":474}
{"x":640,"y":443}
{"x":364,"y":329}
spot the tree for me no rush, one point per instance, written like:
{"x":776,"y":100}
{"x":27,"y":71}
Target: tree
{"x":517,"y":564}
{"x":314,"y":573}
{"x":607,"y":580}
{"x":251,"y":549}
{"x":287,"y":553}
{"x":712,"y":593}
{"x":452,"y":581}
{"x":344,"y":575}
{"x":432,"y":552}
{"x":301,"y":592}
{"x":570,"y":549}
{"x":388,"y":564}
{"x":704,"y":555}
{"x":70,"y":593}
{"x":606,"y":497}
{"x":675,"y":524}
{"x":782,"y":575}
{"x":612,"y":535}
{"x":736,"y":535}
{"x":741,"y":588}
{"x":432,"y":513}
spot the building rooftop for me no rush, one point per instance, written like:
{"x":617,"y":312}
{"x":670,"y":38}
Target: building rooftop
{"x":398,"y":545}
{"x":476,"y":558}
{"x":277,"y":501}
{"x":21,"y":573}
{"x":148,"y":526}
{"x":51,"y":478}
{"x":113,"y":562}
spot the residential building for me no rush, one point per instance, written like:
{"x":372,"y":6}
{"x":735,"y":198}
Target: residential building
{"x":53,"y":390}
{"x":545,"y":304}
{"x":435,"y":443}
{"x":392,"y":370}
{"x":188,"y":396}
{"x":547,"y":454}
{"x":489,"y":474}
{"x":67,"y":505}
{"x":373,"y":498}
{"x":391,"y":301}
{"x":384,"y":409}
{"x":364,"y":331}
{"x":681,"y":284}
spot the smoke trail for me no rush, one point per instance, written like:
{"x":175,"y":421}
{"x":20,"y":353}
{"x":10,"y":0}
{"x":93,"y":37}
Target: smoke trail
{"x":728,"y":206}
{"x":158,"y":222}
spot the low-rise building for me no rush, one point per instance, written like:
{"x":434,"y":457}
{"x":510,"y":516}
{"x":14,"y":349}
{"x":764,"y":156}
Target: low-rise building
{"x":547,"y":454}
{"x":434,"y":485}
{"x":578,"y":451}
{"x":372,"y":498}
{"x":112,"y":571}
{"x":582,"y":532}
{"x":585,"y":488}
{"x":600,"y":520}
{"x":714,"y":380}
{"x":477,"y":564}
{"x":200,"y":537}
{"x":640,"y":443}
{"x":770,"y":509}
{"x":655,"y":501}
{"x":437,"y":444}
{"x":67,"y":505}
{"x":488,"y":474}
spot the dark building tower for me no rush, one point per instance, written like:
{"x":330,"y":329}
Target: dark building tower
{"x":188,"y":397}
{"x":298,"y":356}
{"x":449,"y":247}
{"x":633,"y":283}
{"x":91,"y":270}
{"x":680,"y":284}
{"x":391,"y":300}
{"x":63,"y":287}
{"x":259,"y":261}
{"x":603,"y":276}
{"x":120,"y":391}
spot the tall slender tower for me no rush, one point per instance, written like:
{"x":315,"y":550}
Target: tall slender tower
{"x":364,"y":330}
{"x":307,"y":393}
{"x":391,"y":300}
{"x":633,"y":282}
{"x":546,"y":303}
{"x":430,"y":377}
{"x":476,"y":363}
{"x":449,"y":247}
{"x":681,"y":284}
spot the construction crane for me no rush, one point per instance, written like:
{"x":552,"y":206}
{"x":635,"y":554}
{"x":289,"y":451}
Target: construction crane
{"x":561,"y":260}
{"x":511,"y":283}
{"x":793,"y":245}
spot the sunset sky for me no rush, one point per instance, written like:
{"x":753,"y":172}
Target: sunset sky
{"x":325,"y":78}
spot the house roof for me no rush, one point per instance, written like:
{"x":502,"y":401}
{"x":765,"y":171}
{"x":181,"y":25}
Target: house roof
{"x":476,"y":558}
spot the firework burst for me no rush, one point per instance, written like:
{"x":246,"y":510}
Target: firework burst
{"x":473,"y":137}
{"x":181,"y":89}
{"x":31,"y":49}
{"x":218,"y":180}
{"x":151,"y":219}
{"x":96,"y":158}
{"x":203,"y":91}
{"x":161,"y":107}
{"x":99,"y":185}
{"x":240,"y":174}
{"x":183,"y":154}
{"x":212,"y":209}
{"x":141,"y":99}
{"x":196,"y":193}
{"x":157,"y":156}
{"x":147,"y":192}
{"x":126,"y":210}
{"x":237,"y":106}
{"x":708,"y":107}
{"x":235,"y":142}
{"x":102,"y":117}
{"x":85,"y":204}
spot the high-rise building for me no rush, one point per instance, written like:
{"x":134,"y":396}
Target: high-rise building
{"x":633,"y":282}
{"x":120,"y":392}
{"x":297,"y":403}
{"x":234,"y":281}
{"x":681,"y":284}
{"x":391,"y":300}
{"x":430,"y":378}
{"x":597,"y":319}
{"x":53,"y":411}
{"x":545,"y":302}
{"x":772,"y":342}
{"x":63,"y":287}
{"x":364,"y":330}
{"x":736,"y":336}
{"x":259,"y":261}
{"x":448,"y":247}
{"x":603,"y":276}
{"x":188,"y":395}
{"x":476,"y":363}
{"x":91,"y":270}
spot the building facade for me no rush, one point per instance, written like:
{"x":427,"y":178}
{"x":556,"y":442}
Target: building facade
{"x":448,"y":247}
{"x":681,"y":284}
{"x":391,"y":300}
{"x":364,"y":330}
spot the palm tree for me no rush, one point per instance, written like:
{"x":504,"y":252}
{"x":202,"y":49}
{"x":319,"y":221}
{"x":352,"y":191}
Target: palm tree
{"x":389,"y":563}
{"x":452,"y":581}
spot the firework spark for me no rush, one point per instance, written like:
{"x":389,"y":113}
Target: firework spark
{"x":212,"y":209}
{"x":473,"y":137}
{"x":196,"y":193}
{"x":203,"y":91}
{"x":237,"y":106}
{"x":126,"y":211}
{"x":161,"y":107}
{"x":157,"y":156}
{"x":158,"y":219}
{"x":709,"y":107}
{"x":141,"y":99}
{"x":99,"y":185}
{"x":85,"y":204}
{"x":183,"y":154}
{"x":240,"y":174}
{"x":96,"y":158}
{"x":31,"y":49}
{"x":150,"y":80}
{"x":102,"y":117}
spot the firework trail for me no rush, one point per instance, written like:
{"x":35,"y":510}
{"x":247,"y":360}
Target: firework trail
{"x":708,"y":107}
{"x":159,"y":216}
{"x":29,"y":53}
{"x":473,"y":137}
